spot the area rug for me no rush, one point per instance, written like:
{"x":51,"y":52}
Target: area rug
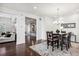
{"x":43,"y":51}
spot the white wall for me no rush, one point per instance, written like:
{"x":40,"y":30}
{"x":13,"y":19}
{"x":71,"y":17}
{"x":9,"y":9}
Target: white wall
{"x":43,"y":25}
{"x":46,"y":24}
{"x":20,"y":29}
{"x":26,"y":28}
{"x":20,"y":24}
{"x":39,"y":31}
{"x":72,"y":19}
{"x":7,"y":25}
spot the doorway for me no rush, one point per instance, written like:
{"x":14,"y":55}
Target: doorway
{"x":30,"y":31}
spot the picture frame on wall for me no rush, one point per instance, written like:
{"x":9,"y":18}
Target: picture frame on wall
{"x":68,"y":25}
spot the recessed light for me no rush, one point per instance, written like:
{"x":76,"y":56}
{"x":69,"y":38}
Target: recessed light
{"x":35,"y":7}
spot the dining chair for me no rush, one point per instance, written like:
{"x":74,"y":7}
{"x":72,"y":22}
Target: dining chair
{"x":63,"y":31}
{"x":69,"y":40}
{"x":66,"y":41}
{"x":56,"y":38}
{"x":51,"y":40}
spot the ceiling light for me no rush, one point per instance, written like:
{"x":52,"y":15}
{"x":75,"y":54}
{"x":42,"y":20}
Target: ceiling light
{"x":35,"y":7}
{"x":59,"y":19}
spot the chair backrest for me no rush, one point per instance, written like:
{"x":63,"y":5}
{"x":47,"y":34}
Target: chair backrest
{"x":69,"y":36}
{"x":49,"y":34}
{"x":63,"y":31}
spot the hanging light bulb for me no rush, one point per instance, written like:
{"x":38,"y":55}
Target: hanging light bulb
{"x":59,"y":19}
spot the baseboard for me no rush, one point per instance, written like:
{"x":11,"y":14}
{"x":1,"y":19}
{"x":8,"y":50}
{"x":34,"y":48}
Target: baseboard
{"x":74,"y":42}
{"x":40,"y":41}
{"x":7,"y":42}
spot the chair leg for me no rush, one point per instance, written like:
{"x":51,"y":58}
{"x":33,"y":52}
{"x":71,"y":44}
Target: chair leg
{"x":47,"y":45}
{"x":61,"y":44}
{"x":67,"y":47}
{"x":57,"y":44}
{"x":68,"y":44}
{"x":52,"y":46}
{"x":61,"y":48}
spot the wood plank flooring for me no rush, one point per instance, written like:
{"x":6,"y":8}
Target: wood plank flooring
{"x":10,"y":49}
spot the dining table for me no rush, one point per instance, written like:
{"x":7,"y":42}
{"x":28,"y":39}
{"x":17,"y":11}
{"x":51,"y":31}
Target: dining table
{"x":60,"y":37}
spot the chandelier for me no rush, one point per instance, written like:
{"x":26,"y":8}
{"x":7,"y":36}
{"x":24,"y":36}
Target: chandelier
{"x":58,"y":18}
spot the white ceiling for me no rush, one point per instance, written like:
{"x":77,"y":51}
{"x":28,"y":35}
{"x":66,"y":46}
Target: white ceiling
{"x":44,"y":9}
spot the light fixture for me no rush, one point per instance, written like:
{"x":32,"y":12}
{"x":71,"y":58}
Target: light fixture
{"x":35,"y":7}
{"x":59,"y":19}
{"x":61,"y":27}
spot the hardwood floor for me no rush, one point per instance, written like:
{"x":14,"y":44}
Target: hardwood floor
{"x":10,"y":49}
